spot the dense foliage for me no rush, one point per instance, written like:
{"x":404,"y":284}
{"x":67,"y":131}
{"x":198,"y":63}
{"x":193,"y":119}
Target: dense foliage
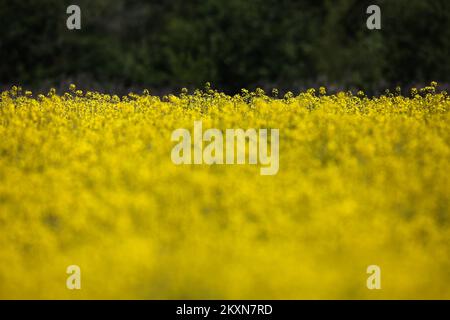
{"x":166,"y":45}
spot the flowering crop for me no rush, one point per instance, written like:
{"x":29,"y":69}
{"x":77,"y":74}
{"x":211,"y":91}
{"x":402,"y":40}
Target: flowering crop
{"x":87,"y":179}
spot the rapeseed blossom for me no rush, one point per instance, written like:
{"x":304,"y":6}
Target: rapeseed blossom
{"x":87,"y":179}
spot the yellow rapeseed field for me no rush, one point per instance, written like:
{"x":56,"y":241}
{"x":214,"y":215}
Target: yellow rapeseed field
{"x":87,"y":179}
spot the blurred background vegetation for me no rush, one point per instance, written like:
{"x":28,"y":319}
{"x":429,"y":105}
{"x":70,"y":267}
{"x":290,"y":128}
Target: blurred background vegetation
{"x":166,"y":45}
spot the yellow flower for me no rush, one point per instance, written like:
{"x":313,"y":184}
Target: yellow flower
{"x":88,"y":180}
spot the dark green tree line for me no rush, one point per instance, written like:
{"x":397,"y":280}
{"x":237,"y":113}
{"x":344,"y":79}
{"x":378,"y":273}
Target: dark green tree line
{"x":165,"y":45}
